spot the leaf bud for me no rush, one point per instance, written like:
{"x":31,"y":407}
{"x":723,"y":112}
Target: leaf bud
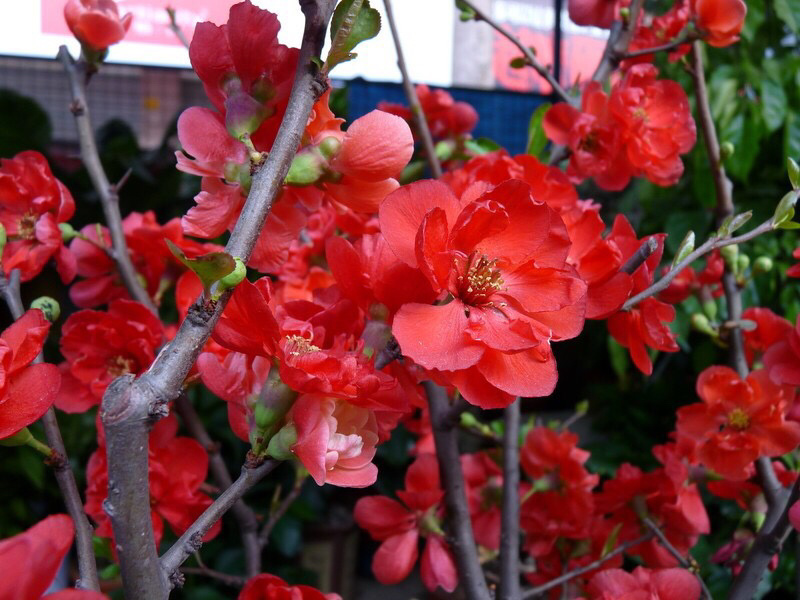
{"x":794,"y":173}
{"x":726,"y":150}
{"x":49,"y":306}
{"x":742,"y":262}
{"x":701,"y":323}
{"x":730,"y":254}
{"x":67,"y":232}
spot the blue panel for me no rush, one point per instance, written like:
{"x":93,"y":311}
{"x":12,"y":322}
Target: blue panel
{"x":503,"y":115}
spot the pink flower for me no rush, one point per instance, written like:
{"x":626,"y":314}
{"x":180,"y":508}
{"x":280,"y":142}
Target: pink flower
{"x":335,"y":440}
{"x":96,"y":23}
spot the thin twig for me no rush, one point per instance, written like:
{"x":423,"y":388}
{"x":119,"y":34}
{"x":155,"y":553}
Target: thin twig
{"x":687,"y":38}
{"x":192,"y":538}
{"x":530,"y":57}
{"x":462,"y":541}
{"x":130,"y":404}
{"x":636,"y":260}
{"x":277,"y":514}
{"x":411,"y":95}
{"x":173,"y":25}
{"x":233,"y":581}
{"x":541,"y":589}
{"x":711,"y":244}
{"x":244,"y":515}
{"x":109,"y":199}
{"x":509,"y":588}
{"x":618,"y":42}
{"x":682,"y":560}
{"x":59,"y":461}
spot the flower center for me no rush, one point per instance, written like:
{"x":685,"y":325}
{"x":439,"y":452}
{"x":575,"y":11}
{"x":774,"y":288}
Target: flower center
{"x":27,"y":227}
{"x":738,"y":419}
{"x":481,"y":280}
{"x":119,"y":365}
{"x":297,"y":345}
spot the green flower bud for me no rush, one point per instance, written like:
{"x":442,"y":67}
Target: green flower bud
{"x":763,"y":264}
{"x":243,"y":114}
{"x":306,"y":169}
{"x":67,"y":232}
{"x":742,"y":262}
{"x":701,"y":323}
{"x":726,"y":150}
{"x":710,"y":309}
{"x":232,"y":279}
{"x":329,"y":147}
{"x":281,"y":443}
{"x":49,"y":306}
{"x":730,"y":254}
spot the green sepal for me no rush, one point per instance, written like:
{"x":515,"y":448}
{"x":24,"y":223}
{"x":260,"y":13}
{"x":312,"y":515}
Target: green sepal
{"x":210,"y":268}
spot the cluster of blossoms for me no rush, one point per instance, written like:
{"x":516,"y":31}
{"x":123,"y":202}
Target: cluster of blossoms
{"x":470,"y":280}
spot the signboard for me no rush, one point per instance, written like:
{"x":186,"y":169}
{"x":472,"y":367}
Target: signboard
{"x":36,"y":28}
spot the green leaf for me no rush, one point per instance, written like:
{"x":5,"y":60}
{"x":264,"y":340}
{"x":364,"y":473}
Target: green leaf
{"x":481,"y":145}
{"x":685,"y":249}
{"x":794,"y":173}
{"x":537,"y":139}
{"x":353,"y":22}
{"x":210,"y":268}
{"x":789,"y":13}
{"x":611,"y":540}
{"x":745,"y":134}
{"x":791,"y":136}
{"x":785,"y":210}
{"x":520,"y":62}
{"x":467,"y":12}
{"x":774,"y":103}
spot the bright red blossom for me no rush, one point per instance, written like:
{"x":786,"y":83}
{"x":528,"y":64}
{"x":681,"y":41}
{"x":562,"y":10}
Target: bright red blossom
{"x":271,"y":587}
{"x":498,"y":263}
{"x":737,"y":422}
{"x":644,"y":584}
{"x":32,"y":204}
{"x":26,"y":390}
{"x":96,"y":23}
{"x":720,"y":20}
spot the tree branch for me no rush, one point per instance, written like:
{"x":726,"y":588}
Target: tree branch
{"x":541,"y":589}
{"x":109,"y":198}
{"x":244,"y":515}
{"x":463,"y":541}
{"x":87,"y":565}
{"x":618,"y":42}
{"x":530,"y":57}
{"x":277,"y":514}
{"x":687,"y":38}
{"x":647,"y":248}
{"x":233,"y":581}
{"x":711,"y":244}
{"x":682,"y":560}
{"x":509,"y":534}
{"x":411,"y":95}
{"x":192,"y":538}
{"x":131,"y":405}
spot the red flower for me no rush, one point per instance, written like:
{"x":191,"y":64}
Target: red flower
{"x":446,"y":118}
{"x":656,"y":121}
{"x":782,"y":359}
{"x":659,"y":584}
{"x":770,"y":329}
{"x":652,"y":31}
{"x":26,"y":390}
{"x":501,"y":257}
{"x":398,"y":527}
{"x":335,"y":440}
{"x":178,"y":468}
{"x":484,"y":479}
{"x":737,"y":422}
{"x":96,"y":23}
{"x":794,"y":270}
{"x":100,"y":346}
{"x":32,"y":204}
{"x":597,"y":13}
{"x":40,"y":550}
{"x":720,"y":20}
{"x":271,"y":587}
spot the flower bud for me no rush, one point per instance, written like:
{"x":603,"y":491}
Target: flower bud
{"x":49,"y":306}
{"x":96,"y":23}
{"x":67,"y":232}
{"x":243,"y":114}
{"x":701,"y":323}
{"x":763,"y":264}
{"x":726,"y":150}
{"x":329,"y":147}
{"x":710,"y":309}
{"x":306,"y":169}
{"x":232,"y":279}
{"x":730,"y":254}
{"x":742,"y":262}
{"x":281,"y":443}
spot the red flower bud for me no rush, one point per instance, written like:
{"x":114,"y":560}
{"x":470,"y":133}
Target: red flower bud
{"x":96,"y":23}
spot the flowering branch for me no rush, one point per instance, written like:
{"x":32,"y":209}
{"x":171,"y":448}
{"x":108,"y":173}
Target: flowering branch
{"x":413,"y":101}
{"x":87,"y":565}
{"x":682,"y":560}
{"x":776,"y":524}
{"x":108,"y":193}
{"x":561,"y":579}
{"x":530,"y":57}
{"x":192,"y":538}
{"x":509,"y":534}
{"x":445,"y":438}
{"x":244,"y":515}
{"x":131,"y":404}
{"x":173,"y":25}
